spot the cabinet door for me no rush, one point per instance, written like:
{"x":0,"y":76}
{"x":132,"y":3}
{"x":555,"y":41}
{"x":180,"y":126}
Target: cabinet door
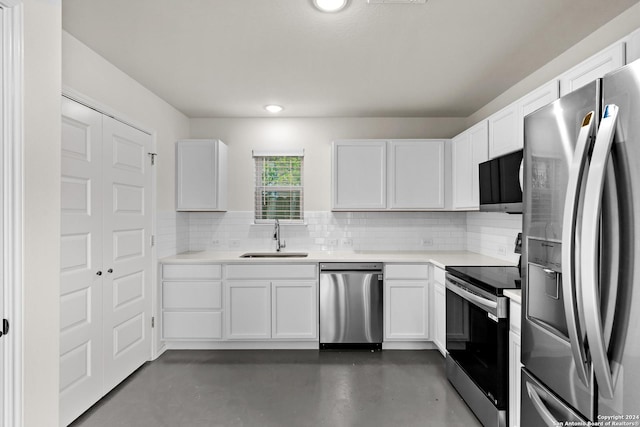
{"x":81,"y":332}
{"x":534,"y":100}
{"x":247,"y":310}
{"x":294,"y":310}
{"x":406,"y":310}
{"x":439,"y":317}
{"x":461,"y":168}
{"x":416,"y":174}
{"x":514,"y":379}
{"x":633,"y":47}
{"x":595,"y":67}
{"x":192,"y":325}
{"x":503,"y":131}
{"x":439,"y":310}
{"x":199,"y":175}
{"x":359,"y":175}
{"x":539,"y":98}
{"x":191,"y":295}
{"x":469,"y":150}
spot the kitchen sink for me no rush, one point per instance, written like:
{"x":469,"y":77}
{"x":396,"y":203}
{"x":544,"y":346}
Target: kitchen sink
{"x":274,"y":255}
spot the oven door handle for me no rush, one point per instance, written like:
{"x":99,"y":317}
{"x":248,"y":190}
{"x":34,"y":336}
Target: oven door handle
{"x":486,"y":303}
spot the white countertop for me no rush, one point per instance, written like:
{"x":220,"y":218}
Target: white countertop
{"x":514,"y":294}
{"x":438,"y":258}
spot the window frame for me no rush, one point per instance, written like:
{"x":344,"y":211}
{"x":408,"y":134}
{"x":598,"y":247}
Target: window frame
{"x":260,"y":154}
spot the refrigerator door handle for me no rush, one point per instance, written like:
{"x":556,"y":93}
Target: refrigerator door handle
{"x":540,"y":407}
{"x":590,"y":250}
{"x":570,"y":272}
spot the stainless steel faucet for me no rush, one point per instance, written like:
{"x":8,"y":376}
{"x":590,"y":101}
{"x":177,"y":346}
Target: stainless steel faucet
{"x":276,"y":237}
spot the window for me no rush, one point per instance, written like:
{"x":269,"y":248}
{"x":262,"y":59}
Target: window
{"x":279,"y":186}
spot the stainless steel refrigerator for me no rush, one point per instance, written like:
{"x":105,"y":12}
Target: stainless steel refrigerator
{"x":581,"y":256}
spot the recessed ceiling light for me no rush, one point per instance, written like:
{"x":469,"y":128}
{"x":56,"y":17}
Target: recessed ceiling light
{"x":330,"y":5}
{"x":273,"y":108}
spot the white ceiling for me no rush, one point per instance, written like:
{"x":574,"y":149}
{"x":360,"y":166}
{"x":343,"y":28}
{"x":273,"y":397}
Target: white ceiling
{"x":229,"y":58}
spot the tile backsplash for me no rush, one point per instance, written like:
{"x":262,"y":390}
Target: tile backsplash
{"x":493,"y":234}
{"x":486,"y":233}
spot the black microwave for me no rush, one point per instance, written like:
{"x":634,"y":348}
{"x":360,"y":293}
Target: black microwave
{"x":501,"y":184}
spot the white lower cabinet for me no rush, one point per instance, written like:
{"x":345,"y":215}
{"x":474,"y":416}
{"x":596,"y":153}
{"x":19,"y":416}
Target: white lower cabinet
{"x":281,"y":306}
{"x":192,"y":302}
{"x":439,"y":334}
{"x":258,"y":310}
{"x":514,"y":363}
{"x":406,"y":302}
{"x":252,"y":303}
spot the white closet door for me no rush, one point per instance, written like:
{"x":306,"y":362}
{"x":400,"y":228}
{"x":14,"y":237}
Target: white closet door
{"x":127,"y":250}
{"x":81,"y":260}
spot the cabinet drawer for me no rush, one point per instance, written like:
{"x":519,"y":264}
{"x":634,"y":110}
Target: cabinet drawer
{"x":191,"y":271}
{"x":192,"y":295}
{"x":271,"y":271}
{"x":515,"y":316}
{"x":192,"y":325}
{"x":406,"y":271}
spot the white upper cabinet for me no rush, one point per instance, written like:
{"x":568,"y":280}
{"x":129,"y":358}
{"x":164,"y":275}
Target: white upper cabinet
{"x":595,"y":67}
{"x":538,"y":98}
{"x":503,"y":131}
{"x":416,"y":174}
{"x":201,"y":175}
{"x":388,"y":175}
{"x":506,"y":127}
{"x":633,"y":47}
{"x":470,"y":148}
{"x":359,"y":175}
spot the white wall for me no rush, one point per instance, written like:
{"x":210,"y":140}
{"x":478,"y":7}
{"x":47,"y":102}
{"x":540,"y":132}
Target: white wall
{"x":85,"y":71}
{"x":315,"y":136}
{"x":611,"y":32}
{"x":41,"y":287}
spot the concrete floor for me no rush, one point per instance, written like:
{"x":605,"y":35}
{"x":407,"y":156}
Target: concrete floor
{"x":284,"y":388}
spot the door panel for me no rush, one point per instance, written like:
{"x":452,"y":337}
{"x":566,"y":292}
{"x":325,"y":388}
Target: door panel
{"x":619,"y":274}
{"x":81,"y":257}
{"x":359,"y":175}
{"x":294,"y":308}
{"x":416,"y":174}
{"x":127,"y":252}
{"x":105,"y":229}
{"x":248,"y":310}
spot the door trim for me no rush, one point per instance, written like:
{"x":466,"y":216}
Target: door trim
{"x":12,"y":199}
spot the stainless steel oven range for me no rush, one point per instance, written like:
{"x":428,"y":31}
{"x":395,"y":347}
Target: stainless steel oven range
{"x":477,"y":338}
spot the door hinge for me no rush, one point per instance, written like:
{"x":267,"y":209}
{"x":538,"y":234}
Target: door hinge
{"x":153,"y":322}
{"x":153,"y":240}
{"x":5,"y":327}
{"x":153,"y":158}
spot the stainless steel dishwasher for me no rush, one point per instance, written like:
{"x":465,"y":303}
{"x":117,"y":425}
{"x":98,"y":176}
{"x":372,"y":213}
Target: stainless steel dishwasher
{"x":350,"y":305}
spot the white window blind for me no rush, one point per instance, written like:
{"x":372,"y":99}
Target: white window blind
{"x":279,"y":190}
